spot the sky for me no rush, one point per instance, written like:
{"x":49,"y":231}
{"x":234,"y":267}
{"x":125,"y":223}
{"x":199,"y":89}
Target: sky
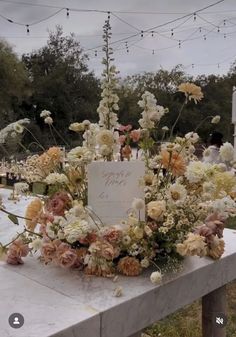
{"x":204,"y":43}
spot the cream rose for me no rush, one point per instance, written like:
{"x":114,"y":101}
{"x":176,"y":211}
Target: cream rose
{"x":155,"y":209}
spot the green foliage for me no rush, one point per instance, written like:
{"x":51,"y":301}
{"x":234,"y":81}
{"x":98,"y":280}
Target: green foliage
{"x":14,"y":85}
{"x":61,"y":82}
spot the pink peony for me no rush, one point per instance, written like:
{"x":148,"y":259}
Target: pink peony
{"x":16,"y":251}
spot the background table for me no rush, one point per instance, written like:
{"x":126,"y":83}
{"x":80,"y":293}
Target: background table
{"x":66,"y":303}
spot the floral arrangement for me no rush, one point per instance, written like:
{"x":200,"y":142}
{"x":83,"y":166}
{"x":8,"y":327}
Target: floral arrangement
{"x":187,"y":201}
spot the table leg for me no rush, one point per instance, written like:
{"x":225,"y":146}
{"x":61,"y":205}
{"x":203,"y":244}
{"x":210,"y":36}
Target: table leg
{"x":214,"y":304}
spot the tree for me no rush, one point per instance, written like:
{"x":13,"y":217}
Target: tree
{"x":14,"y":85}
{"x":61,"y":81}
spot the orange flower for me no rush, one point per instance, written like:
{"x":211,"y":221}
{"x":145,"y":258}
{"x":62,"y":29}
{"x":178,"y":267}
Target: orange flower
{"x":50,"y":159}
{"x":126,"y":152}
{"x":129,"y":266}
{"x":33,"y":213}
{"x":173,"y":161}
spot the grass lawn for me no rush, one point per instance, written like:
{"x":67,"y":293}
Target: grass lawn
{"x":187,"y":321}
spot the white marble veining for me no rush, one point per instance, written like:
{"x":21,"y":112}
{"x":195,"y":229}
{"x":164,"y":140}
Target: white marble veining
{"x":141,"y":305}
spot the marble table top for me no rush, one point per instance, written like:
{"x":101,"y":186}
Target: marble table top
{"x":67,"y":303}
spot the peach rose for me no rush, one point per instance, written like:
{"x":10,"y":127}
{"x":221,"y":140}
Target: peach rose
{"x":102,"y":249}
{"x":135,"y":135}
{"x":129,"y":266}
{"x":49,"y":250}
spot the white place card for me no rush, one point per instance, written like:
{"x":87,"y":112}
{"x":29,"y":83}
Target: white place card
{"x":112,"y":186}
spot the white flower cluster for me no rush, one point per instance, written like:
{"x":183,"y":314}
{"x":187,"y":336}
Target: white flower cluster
{"x":227,"y":152}
{"x":46,"y":115}
{"x":152,"y":112}
{"x":77,"y":230}
{"x":89,"y":136}
{"x":21,"y":187}
{"x":56,"y":178}
{"x":109,"y":102}
{"x":13,"y":129}
{"x":197,"y":171}
{"x":223,"y":205}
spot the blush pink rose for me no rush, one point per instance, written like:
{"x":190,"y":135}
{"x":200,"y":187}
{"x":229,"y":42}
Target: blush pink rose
{"x":59,"y":203}
{"x":113,"y":235}
{"x":66,"y":257}
{"x":16,"y":251}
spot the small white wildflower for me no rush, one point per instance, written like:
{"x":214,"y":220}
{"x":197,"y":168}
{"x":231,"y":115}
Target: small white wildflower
{"x":165,"y":128}
{"x":45,"y":113}
{"x":138,"y":204}
{"x":48,"y":120}
{"x":126,"y":240}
